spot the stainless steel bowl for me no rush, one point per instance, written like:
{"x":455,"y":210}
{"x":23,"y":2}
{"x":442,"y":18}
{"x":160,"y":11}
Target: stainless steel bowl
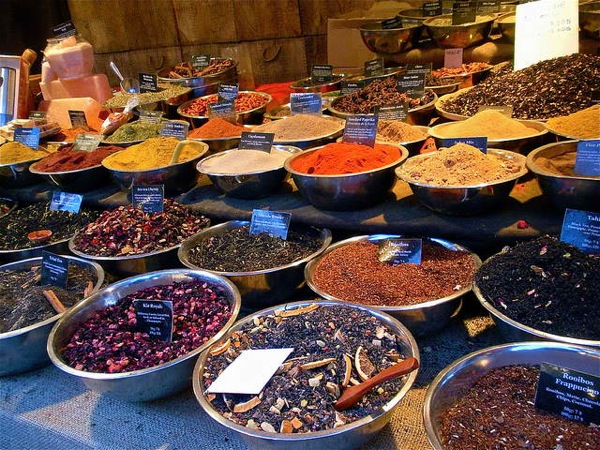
{"x":25,"y":349}
{"x":420,"y":319}
{"x":346,"y":192}
{"x":589,"y":20}
{"x":76,"y":181}
{"x":521,"y":145}
{"x":446,"y":35}
{"x":176,"y":178}
{"x":507,"y":25}
{"x":252,"y":184}
{"x":350,"y":436}
{"x":316,"y":140}
{"x":444,"y":89}
{"x":17,"y":175}
{"x":261,"y":288}
{"x":60,"y":246}
{"x":250,"y":117}
{"x":455,"y":380}
{"x":104,"y":140}
{"x":413,"y":147}
{"x":575,"y":192}
{"x":219,"y":145}
{"x":10,"y":204}
{"x":386,"y":72}
{"x":310,"y":85}
{"x":145,"y":384}
{"x":440,"y":105}
{"x":389,"y":41}
{"x":467,"y":200}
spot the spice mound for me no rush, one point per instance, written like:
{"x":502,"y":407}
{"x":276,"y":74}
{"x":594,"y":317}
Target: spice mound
{"x":135,"y":131}
{"x":153,"y":153}
{"x":301,"y":127}
{"x":128,"y":231}
{"x":167,"y":91}
{"x":70,"y":134}
{"x":550,"y":88}
{"x":24,"y":301}
{"x":353,"y":272}
{"x":67,"y":159}
{"x":459,"y":165}
{"x":299,"y":398}
{"x":396,"y":131}
{"x":562,"y":163}
{"x":37,"y":216}
{"x":245,"y":101}
{"x":547,"y":285}
{"x":379,"y":93}
{"x":14,"y":152}
{"x":187,"y":70}
{"x":492,"y":124}
{"x":498,"y":412}
{"x":471,"y":67}
{"x":345,"y":158}
{"x":236,"y":250}
{"x":584,"y":124}
{"x":216,"y":128}
{"x":240,"y":162}
{"x":109,"y":342}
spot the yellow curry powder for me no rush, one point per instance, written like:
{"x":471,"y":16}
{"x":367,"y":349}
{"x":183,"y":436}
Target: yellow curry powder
{"x":15,"y":152}
{"x":584,"y":124}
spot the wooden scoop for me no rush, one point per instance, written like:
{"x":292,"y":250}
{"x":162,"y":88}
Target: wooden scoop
{"x":353,"y":394}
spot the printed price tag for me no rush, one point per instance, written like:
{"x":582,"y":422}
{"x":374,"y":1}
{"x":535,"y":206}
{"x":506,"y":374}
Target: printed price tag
{"x":273,"y":223}
{"x":64,"y":30}
{"x":225,"y":110}
{"x":78,"y":119}
{"x":148,"y":82}
{"x":412,"y":85}
{"x":587,"y":160}
{"x":38,"y":116}
{"x":391,"y":24}
{"x":400,"y":251}
{"x":228,"y":92}
{"x":568,"y":393}
{"x":151,"y":116}
{"x":256,"y":141}
{"x":361,"y":129}
{"x":392,"y":112}
{"x":87,"y":142}
{"x":306,"y":103}
{"x":453,"y":58}
{"x":582,"y":229}
{"x":149,"y":199}
{"x":55,"y":269}
{"x":154,"y":317}
{"x":176,"y":129}
{"x":374,"y":67}
{"x":321,"y":72}
{"x":65,"y":201}
{"x":200,"y":61}
{"x":28,"y":136}
{"x":506,"y":110}
{"x":348,"y":87}
{"x":488,"y":6}
{"x":479,"y":142}
{"x":463,"y":12}
{"x":432,"y":9}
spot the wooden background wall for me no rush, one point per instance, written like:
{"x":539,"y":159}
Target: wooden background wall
{"x":273,"y":40}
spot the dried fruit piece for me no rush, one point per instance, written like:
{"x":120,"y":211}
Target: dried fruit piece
{"x":297,"y":423}
{"x":315,"y":364}
{"x":333,"y":389}
{"x":39,"y":235}
{"x":266,"y":426}
{"x":286,"y":427}
{"x":220,"y":348}
{"x":246,"y":406}
{"x":364,"y":366}
{"x":347,"y":370}
{"x":298,"y":311}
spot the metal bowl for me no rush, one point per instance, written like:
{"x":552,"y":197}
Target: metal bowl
{"x":446,"y":35}
{"x":251,"y":116}
{"x":25,"y":349}
{"x":413,"y":147}
{"x":389,"y":41}
{"x":249,"y":185}
{"x":386,"y":72}
{"x":10,"y":204}
{"x":261,"y":288}
{"x":589,"y":20}
{"x":316,"y":140}
{"x":346,"y":192}
{"x":455,"y":380}
{"x":144,"y":384}
{"x":440,"y":107}
{"x":126,"y":143}
{"x":420,"y":319}
{"x":76,"y":181}
{"x":350,"y":436}
{"x":521,"y":145}
{"x":19,"y":254}
{"x":176,"y":178}
{"x":218,"y":145}
{"x":575,"y":192}
{"x":507,"y":24}
{"x":467,"y":200}
{"x":310,"y":85}
{"x":444,"y":89}
{"x":17,"y":175}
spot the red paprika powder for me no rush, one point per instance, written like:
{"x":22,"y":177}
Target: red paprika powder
{"x":67,"y":159}
{"x":343,"y":158}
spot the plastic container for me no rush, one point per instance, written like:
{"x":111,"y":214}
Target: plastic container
{"x":71,"y":57}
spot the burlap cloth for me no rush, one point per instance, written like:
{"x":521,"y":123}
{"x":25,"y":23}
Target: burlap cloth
{"x":47,"y":409}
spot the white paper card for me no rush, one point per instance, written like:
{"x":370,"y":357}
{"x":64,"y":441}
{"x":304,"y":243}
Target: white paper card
{"x":545,"y":29}
{"x":250,"y":372}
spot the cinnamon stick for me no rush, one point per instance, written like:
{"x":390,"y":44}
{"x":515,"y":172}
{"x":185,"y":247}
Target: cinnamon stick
{"x":54,"y":301}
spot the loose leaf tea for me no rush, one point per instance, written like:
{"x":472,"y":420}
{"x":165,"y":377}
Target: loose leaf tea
{"x":110,"y":342}
{"x":235,"y":250}
{"x":547,"y":285}
{"x":498,"y":413}
{"x":22,"y":301}
{"x":333,"y":346}
{"x":38,"y":216}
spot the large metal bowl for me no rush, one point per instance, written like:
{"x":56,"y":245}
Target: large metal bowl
{"x":76,"y":181}
{"x":350,"y":436}
{"x":521,"y":145}
{"x":176,"y":178}
{"x":25,"y":349}
{"x":413,"y":147}
{"x":455,"y":380}
{"x":420,"y":319}
{"x":389,"y":41}
{"x":386,"y":72}
{"x":316,"y":140}
{"x":309,"y":85}
{"x":507,"y":25}
{"x":252,"y":184}
{"x":467,"y":200}
{"x":17,"y":175}
{"x":346,"y":192}
{"x":205,"y":85}
{"x":589,"y":20}
{"x":466,"y":35}
{"x":575,"y":192}
{"x":261,"y":288}
{"x":145,"y":384}
{"x":10,"y":206}
{"x":440,"y":106}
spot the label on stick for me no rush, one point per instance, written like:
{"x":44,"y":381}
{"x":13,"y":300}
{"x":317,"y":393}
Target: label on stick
{"x":154,"y":317}
{"x":453,"y":58}
{"x":150,"y":116}
{"x":273,"y":223}
{"x":432,"y":9}
{"x":390,"y":24}
{"x":55,"y":269}
{"x":28,"y":136}
{"x":200,"y":61}
{"x":321,"y":72}
{"x":148,"y":82}
{"x":78,"y":119}
{"x":587,"y":160}
{"x":149,"y":199}
{"x":223,"y":109}
{"x":488,"y":6}
{"x":228,"y":92}
{"x":392,"y":112}
{"x":361,"y":129}
{"x":306,"y":103}
{"x":506,"y":110}
{"x":582,"y":229}
{"x":479,"y":142}
{"x":400,"y":251}
{"x":463,"y":12}
{"x":256,"y":141}
{"x":373,"y":67}
{"x":412,"y":85}
{"x":176,"y":129}
{"x":348,"y":87}
{"x":64,"y":30}
{"x":65,"y":201}
{"x":86,"y":142}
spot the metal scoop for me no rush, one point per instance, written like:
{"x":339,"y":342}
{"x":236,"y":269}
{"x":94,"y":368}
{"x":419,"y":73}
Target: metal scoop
{"x":129,"y":85}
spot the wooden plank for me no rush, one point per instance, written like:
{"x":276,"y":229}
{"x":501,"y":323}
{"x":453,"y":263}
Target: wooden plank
{"x":316,"y":50}
{"x":206,"y":21}
{"x":266,"y":19}
{"x":277,"y":60}
{"x":314,"y":13}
